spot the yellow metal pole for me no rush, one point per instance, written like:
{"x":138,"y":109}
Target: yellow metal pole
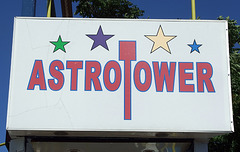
{"x":193,"y":10}
{"x":49,"y":6}
{"x":51,"y":9}
{"x":2,"y":144}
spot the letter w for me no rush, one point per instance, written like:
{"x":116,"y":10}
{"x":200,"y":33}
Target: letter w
{"x":164,"y":74}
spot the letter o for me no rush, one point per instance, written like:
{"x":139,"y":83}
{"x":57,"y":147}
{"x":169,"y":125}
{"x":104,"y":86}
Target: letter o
{"x":112,"y":65}
{"x":142,"y":65}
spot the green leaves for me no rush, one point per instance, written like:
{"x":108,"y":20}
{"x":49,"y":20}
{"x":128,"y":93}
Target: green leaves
{"x":233,"y":33}
{"x":107,"y":9}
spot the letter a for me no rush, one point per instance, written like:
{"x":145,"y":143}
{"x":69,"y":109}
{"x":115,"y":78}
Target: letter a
{"x":37,"y":76}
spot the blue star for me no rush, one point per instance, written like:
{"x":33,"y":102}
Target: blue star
{"x":195,"y":46}
{"x":99,"y":39}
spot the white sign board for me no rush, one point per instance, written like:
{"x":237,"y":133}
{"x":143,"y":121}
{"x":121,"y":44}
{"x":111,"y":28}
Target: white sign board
{"x":120,"y":75}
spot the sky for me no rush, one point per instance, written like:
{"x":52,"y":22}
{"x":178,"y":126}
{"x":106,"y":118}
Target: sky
{"x":154,"y":9}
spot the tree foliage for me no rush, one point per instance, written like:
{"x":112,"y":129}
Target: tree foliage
{"x":107,"y":9}
{"x":231,"y":142}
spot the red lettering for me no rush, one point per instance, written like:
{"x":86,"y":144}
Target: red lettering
{"x":164,"y":74}
{"x":142,"y":65}
{"x":204,"y":74}
{"x":55,"y":72}
{"x":183,"y":76}
{"x":127,"y":54}
{"x":92,"y":76}
{"x":74,"y":66}
{"x":112,"y":65}
{"x":37,"y":76}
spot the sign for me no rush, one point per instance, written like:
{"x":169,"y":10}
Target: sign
{"x":120,"y":75}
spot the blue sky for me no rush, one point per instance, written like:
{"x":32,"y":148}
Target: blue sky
{"x":154,"y":9}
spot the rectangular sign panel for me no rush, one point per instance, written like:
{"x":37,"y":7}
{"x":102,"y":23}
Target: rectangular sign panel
{"x":120,"y":75}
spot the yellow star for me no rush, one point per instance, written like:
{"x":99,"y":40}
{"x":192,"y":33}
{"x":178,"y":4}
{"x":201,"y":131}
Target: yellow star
{"x":160,"y":40}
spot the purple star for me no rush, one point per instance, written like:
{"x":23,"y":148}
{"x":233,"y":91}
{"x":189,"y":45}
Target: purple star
{"x":100,"y":39}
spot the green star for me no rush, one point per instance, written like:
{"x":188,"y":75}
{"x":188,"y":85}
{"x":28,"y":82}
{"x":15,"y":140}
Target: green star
{"x":59,"y":44}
